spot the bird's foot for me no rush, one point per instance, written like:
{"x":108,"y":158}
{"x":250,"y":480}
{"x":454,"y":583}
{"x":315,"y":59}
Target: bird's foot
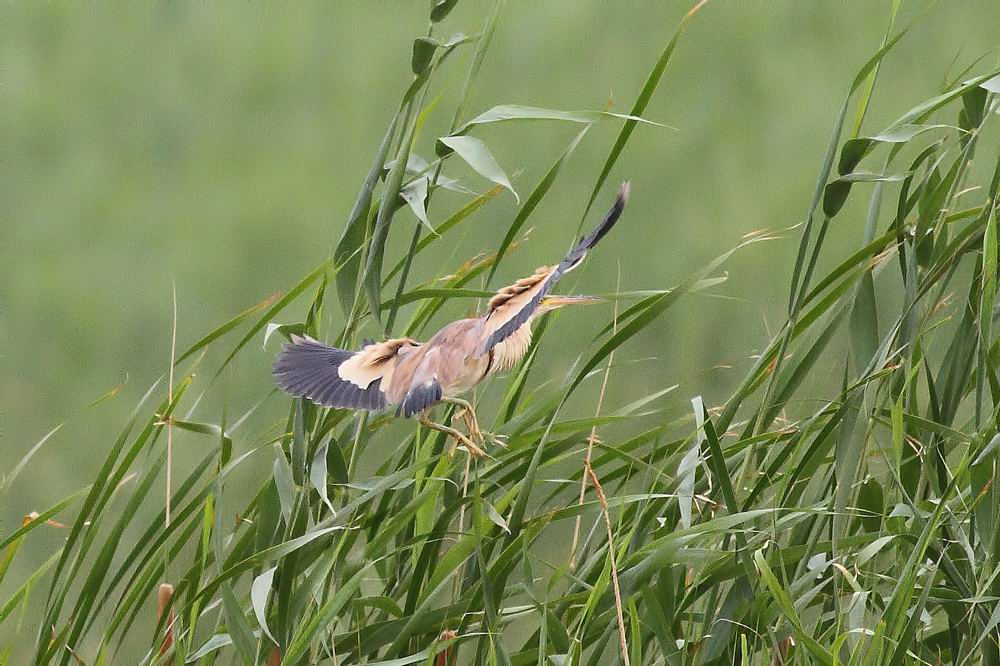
{"x":499,"y":440}
{"x":475,"y":432}
{"x":474,"y":450}
{"x":459,"y":437}
{"x":471,"y":423}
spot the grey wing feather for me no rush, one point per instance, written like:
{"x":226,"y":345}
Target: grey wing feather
{"x":308,"y":369}
{"x":419,"y":398}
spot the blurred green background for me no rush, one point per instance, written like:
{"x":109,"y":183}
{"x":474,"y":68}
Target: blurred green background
{"x":220,"y":145}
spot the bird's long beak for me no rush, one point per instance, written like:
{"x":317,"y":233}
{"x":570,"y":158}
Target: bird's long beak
{"x":558,"y":301}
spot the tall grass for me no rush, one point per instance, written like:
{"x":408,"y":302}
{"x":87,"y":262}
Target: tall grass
{"x":770,"y":528}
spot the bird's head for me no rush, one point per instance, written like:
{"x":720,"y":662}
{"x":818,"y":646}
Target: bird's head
{"x":550,"y":303}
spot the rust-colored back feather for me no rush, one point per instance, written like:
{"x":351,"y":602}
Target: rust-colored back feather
{"x":505,"y":295}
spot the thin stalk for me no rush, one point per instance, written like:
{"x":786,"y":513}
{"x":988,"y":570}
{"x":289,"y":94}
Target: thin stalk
{"x":602,"y":500}
{"x":170,"y":397}
{"x":477,"y":61}
{"x":593,"y":434}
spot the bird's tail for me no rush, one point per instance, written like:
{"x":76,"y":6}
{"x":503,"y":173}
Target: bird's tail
{"x":577,"y":254}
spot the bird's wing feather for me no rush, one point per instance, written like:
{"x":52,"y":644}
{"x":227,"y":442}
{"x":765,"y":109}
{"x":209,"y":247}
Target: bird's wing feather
{"x":512,"y":349}
{"x":334,"y":377}
{"x":420,"y":397}
{"x":512,"y":306}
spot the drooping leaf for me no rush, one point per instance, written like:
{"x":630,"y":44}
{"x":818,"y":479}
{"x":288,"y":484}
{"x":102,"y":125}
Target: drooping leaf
{"x":259,"y":592}
{"x":423,"y":51}
{"x":505,"y":112}
{"x":415,"y":195}
{"x":318,"y":473}
{"x":478,"y":156}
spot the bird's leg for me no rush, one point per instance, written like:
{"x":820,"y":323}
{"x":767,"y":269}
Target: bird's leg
{"x":458,"y":436}
{"x":467,"y":413}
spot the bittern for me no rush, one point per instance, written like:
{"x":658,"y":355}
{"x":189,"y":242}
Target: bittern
{"x":414,"y":376}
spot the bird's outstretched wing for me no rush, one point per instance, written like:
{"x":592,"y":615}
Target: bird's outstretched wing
{"x":339,"y":378}
{"x":512,"y":307}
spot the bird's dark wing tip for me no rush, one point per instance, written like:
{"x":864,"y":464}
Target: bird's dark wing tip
{"x":420,"y":397}
{"x":307,"y":368}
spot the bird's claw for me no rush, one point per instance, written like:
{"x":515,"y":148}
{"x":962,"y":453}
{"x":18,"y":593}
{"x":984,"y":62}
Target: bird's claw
{"x":459,"y":438}
{"x":499,"y":440}
{"x":474,"y":450}
{"x":459,"y":414}
{"x":472,"y":425}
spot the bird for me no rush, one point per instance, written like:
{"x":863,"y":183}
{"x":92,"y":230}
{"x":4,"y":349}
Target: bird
{"x":414,"y":376}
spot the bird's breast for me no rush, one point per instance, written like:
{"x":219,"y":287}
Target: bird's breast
{"x":472,"y":371}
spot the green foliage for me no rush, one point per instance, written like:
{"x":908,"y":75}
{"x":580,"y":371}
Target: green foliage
{"x":861,"y":528}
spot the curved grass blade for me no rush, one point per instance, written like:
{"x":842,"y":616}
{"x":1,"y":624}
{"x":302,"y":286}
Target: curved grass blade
{"x":534,"y":199}
{"x":386,"y":211}
{"x":349,"y":249}
{"x":278,"y":306}
{"x":225,"y":328}
{"x":457,"y":218}
{"x":648,"y":88}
